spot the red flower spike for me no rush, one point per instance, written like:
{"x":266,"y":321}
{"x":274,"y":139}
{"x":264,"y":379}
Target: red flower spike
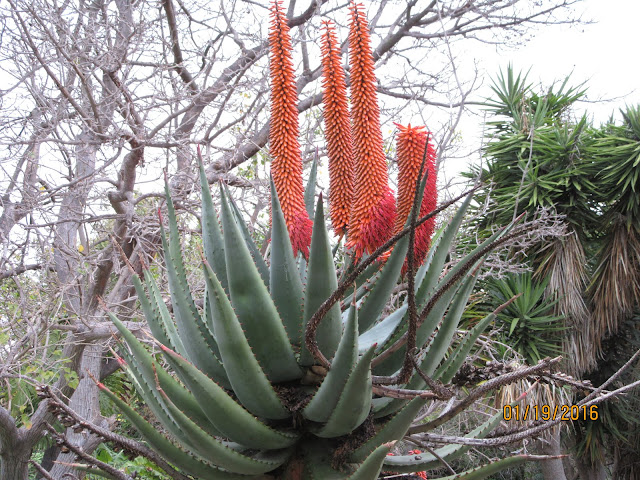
{"x":286,"y":160}
{"x":373,"y":209}
{"x":410,"y":151}
{"x":337,"y":131}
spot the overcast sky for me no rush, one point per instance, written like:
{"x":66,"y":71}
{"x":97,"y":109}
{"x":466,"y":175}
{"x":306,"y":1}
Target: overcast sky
{"x":604,"y":54}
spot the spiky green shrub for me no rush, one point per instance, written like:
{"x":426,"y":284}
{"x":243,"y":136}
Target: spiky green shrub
{"x":241,"y":390}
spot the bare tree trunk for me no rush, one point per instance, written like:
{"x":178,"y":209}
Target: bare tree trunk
{"x":14,"y":451}
{"x":553,"y":469}
{"x":14,"y":465}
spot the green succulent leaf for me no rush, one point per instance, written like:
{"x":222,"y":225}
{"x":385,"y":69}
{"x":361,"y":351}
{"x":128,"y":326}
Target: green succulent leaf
{"x":355,"y":401}
{"x":248,"y":239}
{"x":180,"y":458}
{"x":212,"y":239}
{"x":157,"y":316}
{"x":254,"y":306}
{"x":325,"y":399}
{"x":452,"y":364}
{"x":382,"y":331}
{"x":442,"y":339}
{"x":197,"y":338}
{"x":484,"y":471}
{"x":310,"y":189}
{"x":217,"y":452}
{"x":230,"y":418}
{"x":140,"y":366}
{"x":247,"y":378}
{"x":374,"y":303}
{"x":321,"y":283}
{"x":393,"y":429}
{"x":372,"y":465}
{"x":286,"y":286}
{"x":428,"y":461}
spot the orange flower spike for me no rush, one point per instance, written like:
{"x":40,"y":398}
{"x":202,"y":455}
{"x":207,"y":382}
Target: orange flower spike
{"x":374,"y":208}
{"x":411,"y":142}
{"x":337,"y":131}
{"x":286,"y":160}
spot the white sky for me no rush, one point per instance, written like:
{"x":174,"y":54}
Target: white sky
{"x":604,"y":54}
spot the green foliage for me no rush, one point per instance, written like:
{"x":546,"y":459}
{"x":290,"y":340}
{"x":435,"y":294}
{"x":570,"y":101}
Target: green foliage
{"x":536,"y":154}
{"x":528,"y":325}
{"x":137,"y":467}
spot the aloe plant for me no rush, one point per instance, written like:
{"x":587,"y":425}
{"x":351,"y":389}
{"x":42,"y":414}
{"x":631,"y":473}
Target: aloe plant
{"x":238,"y":392}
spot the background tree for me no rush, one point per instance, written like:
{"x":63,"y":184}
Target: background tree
{"x":100,"y":96}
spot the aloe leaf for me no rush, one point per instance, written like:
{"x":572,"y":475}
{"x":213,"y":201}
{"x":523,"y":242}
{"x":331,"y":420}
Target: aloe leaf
{"x":324,"y":401}
{"x":218,"y":453}
{"x":178,"y":457}
{"x":162,"y":313}
{"x":184,"y":399}
{"x":443,"y":292}
{"x":484,"y":471}
{"x":391,"y":364}
{"x":321,"y":283}
{"x":148,"y":374}
{"x":426,"y":289}
{"x":375,"y":301}
{"x":196,"y":336}
{"x":140,"y":366}
{"x":154,"y":317}
{"x":310,"y":190}
{"x":317,"y":462}
{"x":381,"y":332}
{"x":438,"y":347}
{"x":394,"y":429}
{"x":365,"y":278}
{"x":442,"y":339}
{"x":355,"y":401}
{"x":247,"y":378}
{"x":248,"y":239}
{"x":211,"y":232}
{"x":372,"y":465}
{"x":286,"y":286}
{"x":427,"y":279}
{"x":302,"y":265}
{"x":364,"y":288}
{"x":441,"y":251}
{"x":254,"y":306}
{"x":230,"y":418}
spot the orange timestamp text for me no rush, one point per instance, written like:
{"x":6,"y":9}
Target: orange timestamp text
{"x":548,"y":412}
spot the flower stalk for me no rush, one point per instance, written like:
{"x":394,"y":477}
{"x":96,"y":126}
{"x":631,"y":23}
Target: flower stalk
{"x":284,"y":148}
{"x":373,"y":210}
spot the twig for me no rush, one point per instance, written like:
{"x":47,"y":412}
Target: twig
{"x":483,"y":389}
{"x":62,"y":440}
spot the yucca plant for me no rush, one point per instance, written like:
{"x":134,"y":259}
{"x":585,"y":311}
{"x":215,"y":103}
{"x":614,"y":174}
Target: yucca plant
{"x":290,"y":370}
{"x":528,"y":324}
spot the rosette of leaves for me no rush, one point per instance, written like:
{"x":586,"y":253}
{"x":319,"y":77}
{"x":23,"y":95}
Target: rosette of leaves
{"x":271,"y":379}
{"x":528,"y":324}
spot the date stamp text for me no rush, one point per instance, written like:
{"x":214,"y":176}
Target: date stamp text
{"x":564,"y":413}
